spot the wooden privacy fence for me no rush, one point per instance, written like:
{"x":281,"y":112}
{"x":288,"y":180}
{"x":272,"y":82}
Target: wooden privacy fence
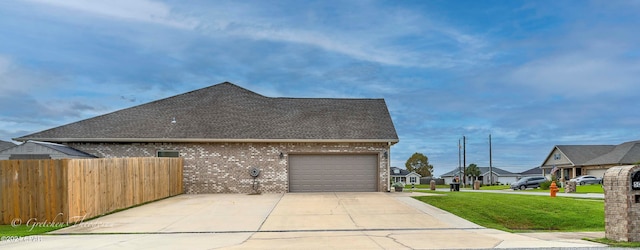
{"x":74,"y":190}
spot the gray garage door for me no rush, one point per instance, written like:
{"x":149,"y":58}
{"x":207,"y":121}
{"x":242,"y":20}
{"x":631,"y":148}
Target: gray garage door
{"x":333,"y":173}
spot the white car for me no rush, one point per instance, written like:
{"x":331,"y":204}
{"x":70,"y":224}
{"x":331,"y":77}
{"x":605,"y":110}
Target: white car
{"x":587,"y":179}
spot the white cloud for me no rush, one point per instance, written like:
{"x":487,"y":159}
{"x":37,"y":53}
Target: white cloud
{"x":577,"y":74}
{"x":4,"y":65}
{"x":392,"y":37}
{"x":590,"y":54}
{"x":135,"y":10}
{"x":16,"y":79}
{"x":368,"y":48}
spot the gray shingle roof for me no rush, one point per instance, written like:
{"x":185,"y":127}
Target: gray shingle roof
{"x":590,"y":155}
{"x":5,"y":145}
{"x":451,"y":173}
{"x":580,"y":154}
{"x":625,"y":153}
{"x":402,"y":172}
{"x":226,"y":112}
{"x":498,"y":171}
{"x":64,"y":149}
{"x":483,"y":171}
{"x":536,"y":170}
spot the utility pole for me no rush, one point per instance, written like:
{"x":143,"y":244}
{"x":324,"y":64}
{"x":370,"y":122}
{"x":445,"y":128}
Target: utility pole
{"x":464,"y":160}
{"x":490,"y":163}
{"x":459,"y":159}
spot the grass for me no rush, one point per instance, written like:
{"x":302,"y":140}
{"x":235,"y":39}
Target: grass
{"x":496,"y":187}
{"x":417,"y":186}
{"x":594,"y":189}
{"x":616,"y":243}
{"x":586,"y":189}
{"x":23,"y":230}
{"x":425,"y":186}
{"x":522,"y":213}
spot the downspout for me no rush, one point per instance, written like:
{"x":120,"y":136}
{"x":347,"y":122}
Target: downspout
{"x":388,"y":167}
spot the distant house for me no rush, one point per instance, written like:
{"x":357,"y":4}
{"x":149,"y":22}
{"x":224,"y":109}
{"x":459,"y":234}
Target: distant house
{"x":5,"y":145}
{"x":537,"y":171}
{"x":499,"y":175}
{"x":576,"y":160}
{"x":404,"y":176}
{"x":42,"y":150}
{"x":224,"y":131}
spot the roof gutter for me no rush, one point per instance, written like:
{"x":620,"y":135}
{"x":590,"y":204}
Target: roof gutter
{"x":184,"y":140}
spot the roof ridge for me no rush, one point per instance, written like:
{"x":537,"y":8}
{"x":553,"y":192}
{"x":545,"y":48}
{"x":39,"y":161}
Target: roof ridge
{"x":143,"y":104}
{"x":325,"y":98}
{"x":226,"y":111}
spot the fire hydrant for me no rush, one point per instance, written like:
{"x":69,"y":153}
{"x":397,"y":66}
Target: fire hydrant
{"x":553,"y":189}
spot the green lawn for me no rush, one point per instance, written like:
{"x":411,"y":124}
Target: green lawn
{"x":496,"y":187}
{"x":518,"y":213}
{"x":616,"y":243}
{"x":417,"y":186}
{"x":425,"y":186}
{"x":21,"y":231}
{"x":594,"y":189}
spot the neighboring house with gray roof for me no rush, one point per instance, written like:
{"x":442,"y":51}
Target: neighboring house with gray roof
{"x":499,"y":176}
{"x":5,"y":145}
{"x":42,"y":150}
{"x":576,"y":160}
{"x":223,"y":131}
{"x":537,"y":171}
{"x":404,"y":176}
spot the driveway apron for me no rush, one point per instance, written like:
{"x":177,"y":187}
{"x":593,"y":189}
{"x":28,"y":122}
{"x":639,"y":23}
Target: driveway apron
{"x":285,"y":221}
{"x":186,"y":213}
{"x":345,"y":211}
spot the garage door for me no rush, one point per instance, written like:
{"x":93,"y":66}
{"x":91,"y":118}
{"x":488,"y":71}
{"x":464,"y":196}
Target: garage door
{"x":596,"y":172}
{"x":333,"y":173}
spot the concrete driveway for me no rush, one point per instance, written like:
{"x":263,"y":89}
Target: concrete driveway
{"x":292,"y":221}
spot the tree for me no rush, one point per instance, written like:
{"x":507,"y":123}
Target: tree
{"x":420,"y":164}
{"x":472,"y":171}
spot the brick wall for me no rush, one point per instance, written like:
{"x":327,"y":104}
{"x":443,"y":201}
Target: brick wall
{"x":622,"y":213}
{"x":224,"y":167}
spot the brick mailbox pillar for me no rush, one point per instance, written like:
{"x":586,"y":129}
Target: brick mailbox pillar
{"x":622,"y":203}
{"x":570,"y":187}
{"x":476,"y":185}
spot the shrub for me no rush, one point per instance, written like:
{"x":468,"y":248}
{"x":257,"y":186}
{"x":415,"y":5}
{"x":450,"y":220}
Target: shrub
{"x":545,"y":185}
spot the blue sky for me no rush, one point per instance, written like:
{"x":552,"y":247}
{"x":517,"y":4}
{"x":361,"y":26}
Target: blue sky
{"x":534,"y":74}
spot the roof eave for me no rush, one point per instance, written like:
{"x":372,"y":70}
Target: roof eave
{"x":184,"y":140}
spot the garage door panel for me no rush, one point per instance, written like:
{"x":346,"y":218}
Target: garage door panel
{"x":333,"y":173}
{"x":596,"y":172}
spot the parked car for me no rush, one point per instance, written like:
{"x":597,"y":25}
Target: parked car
{"x":587,"y":179}
{"x":528,"y":182}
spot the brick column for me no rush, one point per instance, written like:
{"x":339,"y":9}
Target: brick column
{"x":570,"y":187}
{"x":621,"y":204}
